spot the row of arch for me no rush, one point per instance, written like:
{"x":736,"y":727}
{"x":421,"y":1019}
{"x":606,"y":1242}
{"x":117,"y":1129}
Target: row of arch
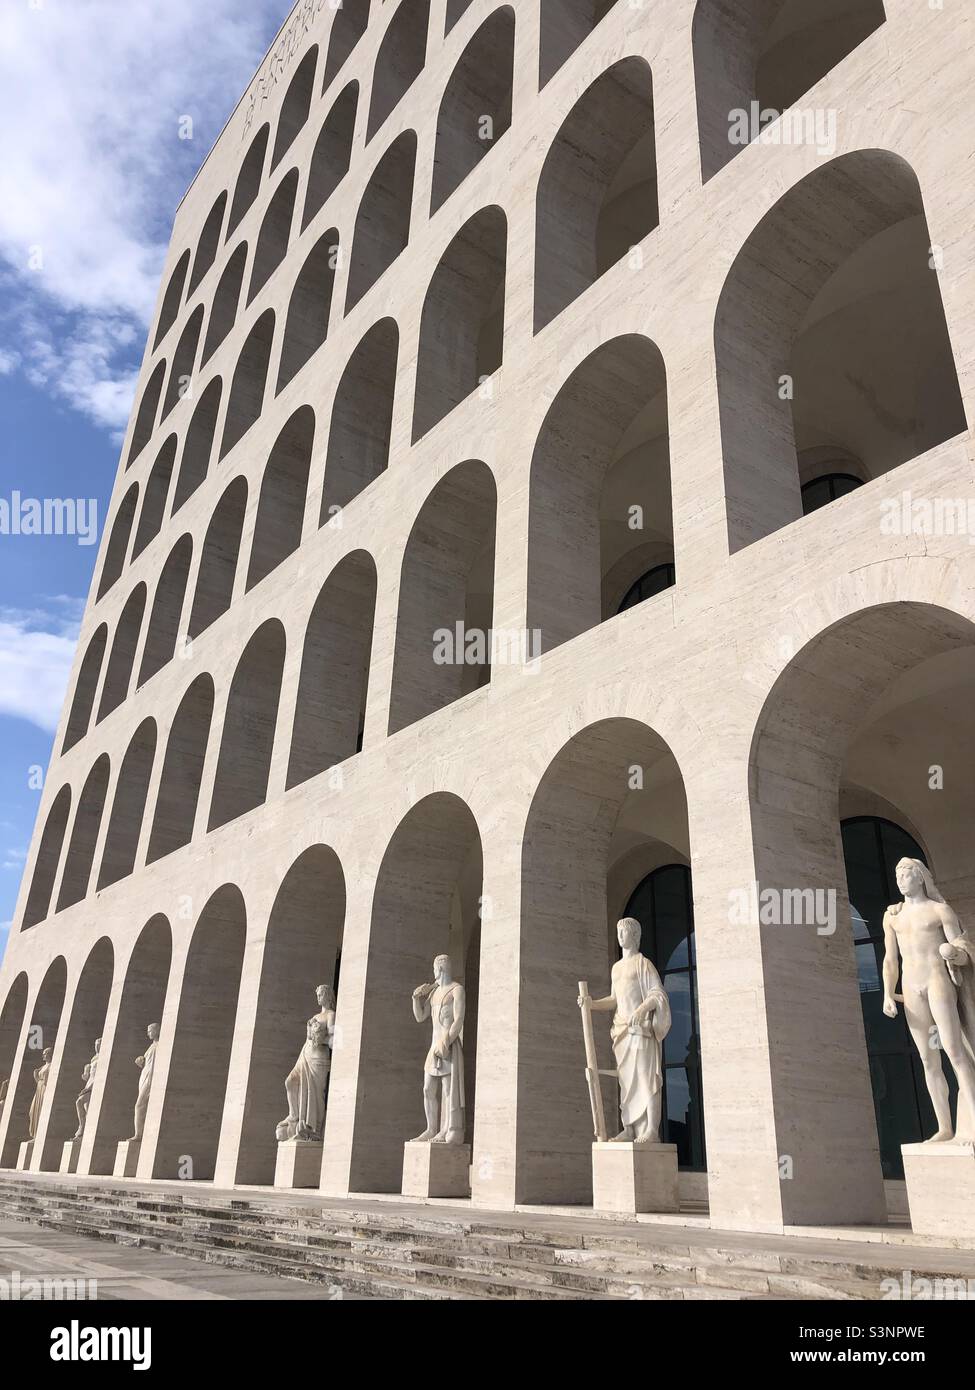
{"x":855,"y":320}
{"x":584,"y":224}
{"x":594,"y":844}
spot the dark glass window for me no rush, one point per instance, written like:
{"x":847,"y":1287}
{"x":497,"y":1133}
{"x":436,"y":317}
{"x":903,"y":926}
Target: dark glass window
{"x":826,"y":489}
{"x":655,"y":581}
{"x":663,"y":907}
{"x":871,"y":848}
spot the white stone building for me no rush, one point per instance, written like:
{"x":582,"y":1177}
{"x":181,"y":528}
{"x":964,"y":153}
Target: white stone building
{"x":692,"y":414}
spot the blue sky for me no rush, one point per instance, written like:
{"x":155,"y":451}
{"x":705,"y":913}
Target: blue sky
{"x":93,"y":172}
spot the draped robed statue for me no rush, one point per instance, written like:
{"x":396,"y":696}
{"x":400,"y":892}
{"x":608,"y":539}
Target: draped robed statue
{"x":308,"y":1078}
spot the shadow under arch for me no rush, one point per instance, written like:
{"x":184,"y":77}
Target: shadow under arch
{"x":45,"y":1020}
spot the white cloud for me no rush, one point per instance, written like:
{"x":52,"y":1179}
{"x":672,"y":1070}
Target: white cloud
{"x":95,"y":170}
{"x":37,"y":648}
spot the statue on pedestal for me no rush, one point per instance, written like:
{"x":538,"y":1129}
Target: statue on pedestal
{"x":937,"y":964}
{"x":41,"y":1074}
{"x":444,"y":1002}
{"x":146,"y":1062}
{"x":307,"y":1080}
{"x":641,"y":1021}
{"x":84,"y":1099}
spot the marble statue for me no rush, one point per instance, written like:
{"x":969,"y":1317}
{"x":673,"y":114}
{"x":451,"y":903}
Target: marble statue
{"x":3,"y":1094}
{"x":937,"y":965}
{"x":146,"y":1062}
{"x":444,"y":1002}
{"x":84,"y":1099}
{"x":40,"y":1079}
{"x":641,"y":1021}
{"x":306,"y":1082}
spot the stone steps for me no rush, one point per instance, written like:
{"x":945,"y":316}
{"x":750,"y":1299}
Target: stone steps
{"x":419,"y":1253}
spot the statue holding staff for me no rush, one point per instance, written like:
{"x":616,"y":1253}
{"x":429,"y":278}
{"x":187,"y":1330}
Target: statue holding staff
{"x":641,"y":1021}
{"x":443,"y":1001}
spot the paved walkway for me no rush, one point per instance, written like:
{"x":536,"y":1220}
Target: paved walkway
{"x":127,"y":1272}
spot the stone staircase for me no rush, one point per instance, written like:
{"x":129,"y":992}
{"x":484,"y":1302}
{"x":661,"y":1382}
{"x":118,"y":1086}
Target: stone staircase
{"x":389,"y":1250}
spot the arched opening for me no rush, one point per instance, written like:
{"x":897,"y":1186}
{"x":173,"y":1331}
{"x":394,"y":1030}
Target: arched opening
{"x":837,"y":749}
{"x":770,"y":52}
{"x":223,"y":314}
{"x":609,"y":811}
{"x":172,"y":299}
{"x":301,"y":950}
{"x":182,"y":773}
{"x":85,"y":1024}
{"x":167,"y":609}
{"x":564,"y":24}
{"x":118,"y":541}
{"x":155,"y":497}
{"x":426,"y":903}
{"x":86,"y":688}
{"x":244,"y":764}
{"x":361,"y":421}
{"x":275,"y":233}
{"x":476,"y":107}
{"x":250,"y":378}
{"x":198,"y":448}
{"x":129,"y":806}
{"x":446,"y":597}
{"x":195,"y":1087}
{"x":382,"y":224}
{"x":206,"y":250}
{"x":11,"y":1024}
{"x":249,"y":179}
{"x":281,"y":506}
{"x":218,"y":561}
{"x":330,"y":709}
{"x":332,"y":153}
{"x":48,"y":859}
{"x":184,"y":359}
{"x":296,"y":105}
{"x":348,"y":26}
{"x":597,"y":193}
{"x":143,"y":1000}
{"x":399,"y":61}
{"x":45,"y":1019}
{"x":124,"y":645}
{"x":830,"y":331}
{"x":84,"y":835}
{"x":145,"y":421}
{"x":462,"y":326}
{"x":306,"y":327}
{"x":600,"y":512}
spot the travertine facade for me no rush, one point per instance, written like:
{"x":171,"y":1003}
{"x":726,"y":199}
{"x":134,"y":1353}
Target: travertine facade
{"x":530,"y":375}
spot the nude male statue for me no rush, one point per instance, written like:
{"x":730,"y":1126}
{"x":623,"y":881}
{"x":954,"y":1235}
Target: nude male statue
{"x":444,"y":1001}
{"x":938,"y":980}
{"x":84,"y":1099}
{"x":146,"y":1063}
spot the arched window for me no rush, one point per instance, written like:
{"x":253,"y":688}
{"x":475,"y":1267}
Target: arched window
{"x":296,"y":105}
{"x":663,"y":906}
{"x":332,"y":153}
{"x":348,"y":27}
{"x":156,"y":496}
{"x":184,"y":360}
{"x":382,"y":224}
{"x":250,"y":379}
{"x":871,"y":848}
{"x":476,"y":107}
{"x":84,"y":694}
{"x":399,"y":61}
{"x":563,"y":26}
{"x":817,"y":493}
{"x":118,"y":542}
{"x":249,"y":178}
{"x":145,"y":421}
{"x":224,"y":312}
{"x":173,"y":299}
{"x":275,"y":233}
{"x":206,"y":251}
{"x":654,"y":582}
{"x":306,"y":326}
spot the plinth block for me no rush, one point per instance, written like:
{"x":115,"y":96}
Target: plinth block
{"x":127,"y":1158}
{"x":299,"y":1163}
{"x":24,"y":1155}
{"x":436,"y":1170}
{"x":634,"y":1177}
{"x":70,"y":1154}
{"x":941,"y":1188}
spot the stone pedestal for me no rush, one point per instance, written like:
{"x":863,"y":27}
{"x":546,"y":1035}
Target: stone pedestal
{"x":436,"y":1170}
{"x":24,"y":1155}
{"x":298,"y":1164}
{"x":941,"y":1188}
{"x":70,"y":1153}
{"x":127,"y":1158}
{"x":634,"y":1177}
